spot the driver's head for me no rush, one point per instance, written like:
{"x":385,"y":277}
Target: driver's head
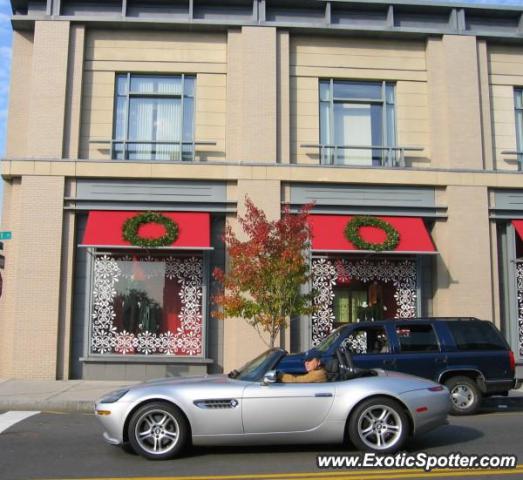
{"x":312,"y":360}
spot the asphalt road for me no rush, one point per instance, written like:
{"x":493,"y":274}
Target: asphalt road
{"x":59,"y":446}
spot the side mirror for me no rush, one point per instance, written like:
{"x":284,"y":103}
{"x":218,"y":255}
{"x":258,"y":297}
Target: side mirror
{"x":270,"y":377}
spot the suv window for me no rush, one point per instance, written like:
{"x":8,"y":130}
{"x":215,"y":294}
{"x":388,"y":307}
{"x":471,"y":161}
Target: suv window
{"x":417,"y":338}
{"x":470,"y":335}
{"x":367,"y":340}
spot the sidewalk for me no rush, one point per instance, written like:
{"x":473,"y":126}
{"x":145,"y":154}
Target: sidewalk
{"x":54,"y":395}
{"x":79,"y":395}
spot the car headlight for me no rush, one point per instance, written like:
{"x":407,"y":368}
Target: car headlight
{"x":114,"y":396}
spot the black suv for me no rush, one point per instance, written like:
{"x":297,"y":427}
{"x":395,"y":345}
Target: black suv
{"x":467,"y":355}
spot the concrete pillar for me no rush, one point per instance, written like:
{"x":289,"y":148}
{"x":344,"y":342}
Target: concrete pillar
{"x":74,"y":93}
{"x":252,"y":95}
{"x":241,"y":341}
{"x":463,"y":283}
{"x":19,"y":100}
{"x":454,"y":96}
{"x":11,"y":221}
{"x":45,"y":134}
{"x":30,"y":310}
{"x":284,"y":116}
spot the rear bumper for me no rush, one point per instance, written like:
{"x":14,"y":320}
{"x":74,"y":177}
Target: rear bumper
{"x":498,"y":386}
{"x":428,"y":409}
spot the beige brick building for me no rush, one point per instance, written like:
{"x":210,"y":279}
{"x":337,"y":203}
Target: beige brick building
{"x":408,"y":112}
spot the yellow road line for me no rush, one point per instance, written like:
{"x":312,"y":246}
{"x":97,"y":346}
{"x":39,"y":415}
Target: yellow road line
{"x":382,"y":474}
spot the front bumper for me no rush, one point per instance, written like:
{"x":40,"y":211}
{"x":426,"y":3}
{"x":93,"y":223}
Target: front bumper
{"x":110,"y":440}
{"x":112,"y":417}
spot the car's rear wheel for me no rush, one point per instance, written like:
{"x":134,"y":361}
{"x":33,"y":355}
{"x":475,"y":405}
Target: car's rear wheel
{"x":465,"y":395}
{"x":379,"y":425}
{"x":158,"y":431}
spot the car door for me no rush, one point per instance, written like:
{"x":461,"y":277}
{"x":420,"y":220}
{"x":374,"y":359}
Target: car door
{"x":419,"y":352}
{"x":285,"y":407}
{"x":370,"y":346}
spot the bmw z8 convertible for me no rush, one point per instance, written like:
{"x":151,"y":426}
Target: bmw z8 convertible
{"x":375,"y":410}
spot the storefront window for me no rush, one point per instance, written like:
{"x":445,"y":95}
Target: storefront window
{"x":363,"y":300}
{"x":351,"y":289}
{"x":147,"y":304}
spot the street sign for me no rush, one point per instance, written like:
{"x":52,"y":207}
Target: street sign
{"x":6,"y":235}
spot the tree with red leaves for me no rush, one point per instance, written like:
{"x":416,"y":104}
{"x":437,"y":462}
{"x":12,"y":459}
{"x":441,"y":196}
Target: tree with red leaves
{"x":266,"y":271}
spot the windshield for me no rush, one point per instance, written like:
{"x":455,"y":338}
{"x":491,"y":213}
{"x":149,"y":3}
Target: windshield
{"x":325,"y":345}
{"x":255,"y":369}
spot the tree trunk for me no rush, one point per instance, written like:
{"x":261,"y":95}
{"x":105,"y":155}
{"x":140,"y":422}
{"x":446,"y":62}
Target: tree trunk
{"x":273,"y":332}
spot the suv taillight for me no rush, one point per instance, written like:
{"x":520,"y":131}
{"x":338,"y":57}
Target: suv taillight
{"x":511,"y":360}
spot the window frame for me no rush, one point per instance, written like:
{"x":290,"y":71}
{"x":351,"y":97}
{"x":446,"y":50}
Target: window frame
{"x":410,"y":326}
{"x":98,"y":253}
{"x":330,"y":158}
{"x":124,"y":152}
{"x":366,"y":328}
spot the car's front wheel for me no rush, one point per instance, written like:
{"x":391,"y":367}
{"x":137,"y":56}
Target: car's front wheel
{"x":465,"y":395}
{"x":158,"y":431}
{"x":379,"y":425}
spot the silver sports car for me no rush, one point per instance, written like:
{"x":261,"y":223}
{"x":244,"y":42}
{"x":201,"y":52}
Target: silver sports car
{"x":376,"y":410}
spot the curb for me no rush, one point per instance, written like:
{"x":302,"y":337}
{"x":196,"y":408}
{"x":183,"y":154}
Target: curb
{"x":57,"y":406}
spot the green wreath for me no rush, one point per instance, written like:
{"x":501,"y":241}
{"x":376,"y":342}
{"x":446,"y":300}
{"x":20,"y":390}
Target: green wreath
{"x":132,"y":225}
{"x":352,"y":232}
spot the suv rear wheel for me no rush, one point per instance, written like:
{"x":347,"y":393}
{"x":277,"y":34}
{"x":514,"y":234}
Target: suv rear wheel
{"x":465,"y":395}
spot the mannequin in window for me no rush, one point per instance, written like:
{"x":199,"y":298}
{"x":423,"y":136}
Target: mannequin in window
{"x":132,"y":305}
{"x":375,"y":294}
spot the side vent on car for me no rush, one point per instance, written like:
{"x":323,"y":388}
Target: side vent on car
{"x":221,"y":403}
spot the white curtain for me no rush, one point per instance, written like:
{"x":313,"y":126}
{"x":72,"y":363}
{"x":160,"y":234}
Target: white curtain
{"x":168,"y":120}
{"x":353,"y":126}
{"x":155,"y":119}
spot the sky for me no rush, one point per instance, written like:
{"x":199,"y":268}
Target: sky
{"x":5,"y":62}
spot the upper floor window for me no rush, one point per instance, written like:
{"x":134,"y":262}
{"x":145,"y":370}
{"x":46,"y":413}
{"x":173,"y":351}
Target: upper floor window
{"x":154,"y":117}
{"x":357,"y":123}
{"x":518,"y":102}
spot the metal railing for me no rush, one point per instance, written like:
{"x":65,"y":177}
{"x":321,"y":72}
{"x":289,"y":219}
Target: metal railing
{"x":120,"y":148}
{"x":388,"y":156}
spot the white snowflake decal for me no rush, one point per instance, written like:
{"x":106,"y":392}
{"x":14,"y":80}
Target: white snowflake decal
{"x":519,"y":280}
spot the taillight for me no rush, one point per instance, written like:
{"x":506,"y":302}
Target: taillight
{"x":511,"y":360}
{"x":439,"y":388}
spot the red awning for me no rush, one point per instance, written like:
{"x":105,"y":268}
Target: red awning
{"x":328,"y":234}
{"x":104,"y":229}
{"x":518,"y":225}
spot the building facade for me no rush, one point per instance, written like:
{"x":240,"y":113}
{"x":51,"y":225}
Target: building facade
{"x":408,"y":113}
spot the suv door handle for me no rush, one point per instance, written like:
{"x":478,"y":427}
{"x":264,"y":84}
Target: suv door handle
{"x":444,"y":359}
{"x":389,"y":362}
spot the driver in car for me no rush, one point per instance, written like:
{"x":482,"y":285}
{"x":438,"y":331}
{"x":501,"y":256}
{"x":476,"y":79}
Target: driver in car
{"x":315,"y":372}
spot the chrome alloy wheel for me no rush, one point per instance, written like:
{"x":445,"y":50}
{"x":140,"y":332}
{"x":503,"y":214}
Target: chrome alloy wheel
{"x":380,"y":427}
{"x":157,"y":431}
{"x":462,"y":396}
